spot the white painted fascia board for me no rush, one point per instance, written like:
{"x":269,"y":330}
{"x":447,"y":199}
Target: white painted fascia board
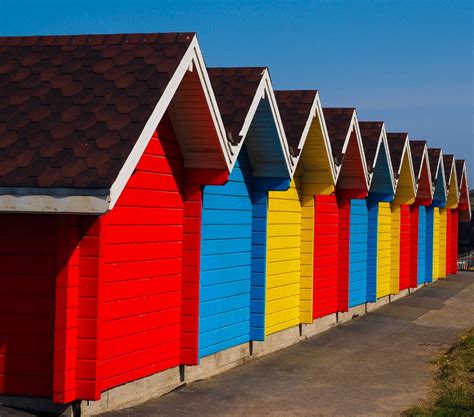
{"x":192,"y":56}
{"x":455,"y":179}
{"x":464,"y":180}
{"x":317,"y":111}
{"x":425,"y":160}
{"x":355,"y":126}
{"x":327,"y":141}
{"x":443,"y":174}
{"x":407,"y":149}
{"x":384,"y":142}
{"x":265,"y":90}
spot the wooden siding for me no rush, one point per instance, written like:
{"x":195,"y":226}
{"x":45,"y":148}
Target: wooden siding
{"x":436,"y":222}
{"x":442,"y":243}
{"x":28,"y":269}
{"x":325,"y":256}
{"x":358,"y":253}
{"x":413,"y":273}
{"x":429,"y":244}
{"x":226,"y":257}
{"x":395,"y":249}
{"x":307,"y":257}
{"x":142,"y":267}
{"x":449,"y":240}
{"x":372,"y":238}
{"x":454,"y":241}
{"x":422,"y":231}
{"x":344,"y":207}
{"x":283,"y":258}
{"x":384,"y":223}
{"x":405,"y":247}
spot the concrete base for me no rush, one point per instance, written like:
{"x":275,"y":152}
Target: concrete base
{"x":352,"y":313}
{"x":379,"y":303}
{"x":277,"y":341}
{"x":401,"y":294}
{"x":133,"y":393}
{"x":144,"y":389}
{"x":218,"y":362}
{"x":319,"y":325}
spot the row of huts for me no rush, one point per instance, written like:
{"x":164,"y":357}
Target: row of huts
{"x":155,"y":211}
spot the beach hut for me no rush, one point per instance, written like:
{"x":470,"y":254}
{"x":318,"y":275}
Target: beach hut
{"x":399,"y":146}
{"x":432,"y":212}
{"x":234,"y":217}
{"x":352,"y":184}
{"x":381,"y":193}
{"x":106,"y":142}
{"x":418,"y":226}
{"x":307,"y":136}
{"x":461,"y":213}
{"x":291,"y":213}
{"x":452,"y":201}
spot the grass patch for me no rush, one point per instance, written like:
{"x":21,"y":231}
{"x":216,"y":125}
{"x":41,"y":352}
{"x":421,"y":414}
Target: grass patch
{"x":453,"y":394}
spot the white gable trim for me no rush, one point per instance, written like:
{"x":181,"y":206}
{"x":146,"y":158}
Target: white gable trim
{"x":191,"y":59}
{"x":316,"y":111}
{"x":264,"y":90}
{"x":354,"y":125}
{"x":383,"y":142}
{"x":407,"y":150}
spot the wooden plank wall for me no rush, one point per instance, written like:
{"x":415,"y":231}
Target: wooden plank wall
{"x":358,"y":253}
{"x":226,"y":260}
{"x":384,"y":236}
{"x":422,"y":232}
{"x":283,"y":258}
{"x":325,"y":255}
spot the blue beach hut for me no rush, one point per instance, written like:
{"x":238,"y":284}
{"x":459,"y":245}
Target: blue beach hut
{"x":233,"y":249}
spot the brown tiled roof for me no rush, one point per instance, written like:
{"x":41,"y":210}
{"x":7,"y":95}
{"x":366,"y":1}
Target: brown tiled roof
{"x":338,"y":121}
{"x":235,"y":90}
{"x":448,"y":163}
{"x":417,"y":147}
{"x":396,"y":143}
{"x":73,"y":107}
{"x":371,"y":133}
{"x":295,"y":107}
{"x":433,"y":156}
{"x":459,"y":167}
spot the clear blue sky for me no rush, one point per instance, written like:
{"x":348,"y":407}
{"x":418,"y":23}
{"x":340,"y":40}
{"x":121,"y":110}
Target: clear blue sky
{"x":409,"y":63}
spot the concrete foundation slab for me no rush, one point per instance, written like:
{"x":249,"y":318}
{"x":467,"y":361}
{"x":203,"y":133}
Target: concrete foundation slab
{"x":319,"y":325}
{"x":379,"y":303}
{"x":277,"y":341}
{"x":401,"y":294}
{"x":218,"y":362}
{"x":352,"y":313}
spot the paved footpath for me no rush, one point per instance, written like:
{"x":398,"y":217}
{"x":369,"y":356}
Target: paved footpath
{"x":375,"y":365}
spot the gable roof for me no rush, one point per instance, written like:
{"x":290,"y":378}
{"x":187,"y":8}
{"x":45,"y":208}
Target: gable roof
{"x":451,"y":181}
{"x":399,"y":146}
{"x":374,"y":137}
{"x":419,"y":153}
{"x":342,"y":124}
{"x":239,"y":92}
{"x":297,"y":109}
{"x":435,"y":156}
{"x":76,"y":112}
{"x":464,"y":200}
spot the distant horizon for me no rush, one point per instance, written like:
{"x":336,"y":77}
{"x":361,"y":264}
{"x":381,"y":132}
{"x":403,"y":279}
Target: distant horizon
{"x":409,"y":64}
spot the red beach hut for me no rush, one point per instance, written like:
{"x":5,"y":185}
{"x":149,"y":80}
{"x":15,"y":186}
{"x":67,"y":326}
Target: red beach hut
{"x":105,"y":143}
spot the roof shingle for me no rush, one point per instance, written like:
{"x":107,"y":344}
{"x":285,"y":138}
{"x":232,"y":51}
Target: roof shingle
{"x":371,"y":133}
{"x":417,"y":147}
{"x":235,"y":89}
{"x":73,"y":107}
{"x":396,"y":143}
{"x":295,"y":107}
{"x":338,"y":122}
